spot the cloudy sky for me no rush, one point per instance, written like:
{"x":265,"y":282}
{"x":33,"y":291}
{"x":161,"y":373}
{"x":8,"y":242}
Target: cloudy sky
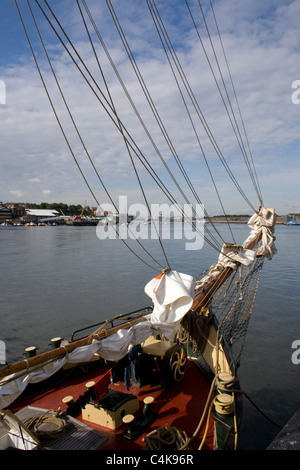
{"x":39,"y":162}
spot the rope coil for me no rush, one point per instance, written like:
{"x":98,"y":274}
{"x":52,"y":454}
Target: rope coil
{"x":164,"y":438}
{"x":54,"y":432}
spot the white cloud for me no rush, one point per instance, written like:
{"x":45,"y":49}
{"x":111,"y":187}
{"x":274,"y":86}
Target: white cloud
{"x":17,"y":193}
{"x":33,"y":180}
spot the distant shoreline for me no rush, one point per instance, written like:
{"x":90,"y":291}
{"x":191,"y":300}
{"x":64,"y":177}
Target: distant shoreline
{"x":280,"y":219}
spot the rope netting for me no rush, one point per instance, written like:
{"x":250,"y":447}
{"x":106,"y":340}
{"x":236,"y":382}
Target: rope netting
{"x":231,"y":306}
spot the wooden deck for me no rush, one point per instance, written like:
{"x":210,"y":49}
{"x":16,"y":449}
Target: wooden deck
{"x":181,"y":406}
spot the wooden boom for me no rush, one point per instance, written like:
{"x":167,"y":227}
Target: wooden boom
{"x":62,"y":350}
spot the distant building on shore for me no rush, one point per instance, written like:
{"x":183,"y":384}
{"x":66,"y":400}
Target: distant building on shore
{"x":5,"y":213}
{"x":17,"y":209}
{"x":37,"y":215}
{"x":293,"y":216}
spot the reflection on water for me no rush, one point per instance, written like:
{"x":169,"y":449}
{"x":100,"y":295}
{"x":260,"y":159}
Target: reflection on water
{"x":55,"y":280}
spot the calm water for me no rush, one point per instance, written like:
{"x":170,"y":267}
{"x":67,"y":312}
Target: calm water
{"x":55,"y":280}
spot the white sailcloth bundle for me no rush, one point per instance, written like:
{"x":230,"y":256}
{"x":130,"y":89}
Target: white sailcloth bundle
{"x":172,"y":294}
{"x":261,"y":223}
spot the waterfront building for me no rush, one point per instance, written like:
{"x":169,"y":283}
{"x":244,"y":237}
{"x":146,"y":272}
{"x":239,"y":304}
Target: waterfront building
{"x":38,"y":215}
{"x":5,"y":213}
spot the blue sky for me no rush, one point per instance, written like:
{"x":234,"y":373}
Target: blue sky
{"x":261,"y":40}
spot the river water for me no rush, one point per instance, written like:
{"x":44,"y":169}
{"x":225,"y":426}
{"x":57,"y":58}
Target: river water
{"x":55,"y":280}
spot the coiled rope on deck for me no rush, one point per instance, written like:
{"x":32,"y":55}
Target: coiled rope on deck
{"x":165,"y":437}
{"x":47,"y":435}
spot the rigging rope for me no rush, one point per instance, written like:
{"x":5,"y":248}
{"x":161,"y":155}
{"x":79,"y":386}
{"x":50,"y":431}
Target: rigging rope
{"x":236,"y":131}
{"x":108,"y":108}
{"x":238,"y":105}
{"x":159,"y":24}
{"x":135,"y":109}
{"x":120,"y":125}
{"x":129,"y":139}
{"x":163,"y":33}
{"x":64,"y":134}
{"x":154,"y":111}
